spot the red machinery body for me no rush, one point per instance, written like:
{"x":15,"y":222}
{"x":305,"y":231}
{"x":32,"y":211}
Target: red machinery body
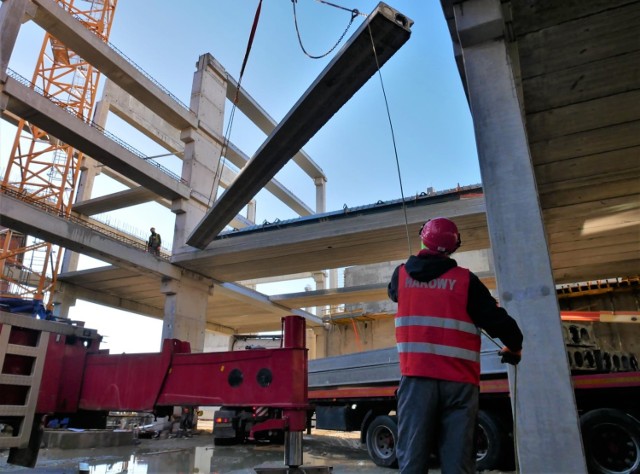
{"x":62,"y":365}
{"x":140,"y":382}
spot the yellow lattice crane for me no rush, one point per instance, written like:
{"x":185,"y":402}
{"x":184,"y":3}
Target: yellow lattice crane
{"x":43,"y":169}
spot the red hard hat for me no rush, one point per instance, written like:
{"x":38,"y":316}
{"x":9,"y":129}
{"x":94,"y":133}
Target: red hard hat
{"x":440,"y":236}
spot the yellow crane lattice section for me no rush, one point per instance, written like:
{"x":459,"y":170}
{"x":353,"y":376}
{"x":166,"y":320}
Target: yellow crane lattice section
{"x":41,"y":167}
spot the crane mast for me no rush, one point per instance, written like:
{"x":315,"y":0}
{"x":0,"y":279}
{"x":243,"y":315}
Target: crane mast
{"x":43,"y":169}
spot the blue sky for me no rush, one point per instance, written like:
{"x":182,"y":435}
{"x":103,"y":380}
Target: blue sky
{"x":429,"y":111}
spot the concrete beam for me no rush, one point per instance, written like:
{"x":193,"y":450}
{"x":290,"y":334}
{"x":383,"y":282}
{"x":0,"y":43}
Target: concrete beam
{"x":18,"y":215}
{"x":48,"y":116}
{"x":111,"y":202}
{"x":259,"y":116}
{"x":345,"y":74}
{"x":233,"y":290}
{"x":112,"y":301}
{"x":136,"y":114}
{"x":52,"y":18}
{"x":334,"y":240}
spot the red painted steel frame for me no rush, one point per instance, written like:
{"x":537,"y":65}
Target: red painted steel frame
{"x":263,"y":377}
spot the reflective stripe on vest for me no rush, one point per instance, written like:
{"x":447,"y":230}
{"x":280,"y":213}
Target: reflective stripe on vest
{"x":433,"y":321}
{"x":438,"y":349}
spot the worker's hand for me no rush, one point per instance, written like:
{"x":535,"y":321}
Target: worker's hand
{"x":509,"y":357}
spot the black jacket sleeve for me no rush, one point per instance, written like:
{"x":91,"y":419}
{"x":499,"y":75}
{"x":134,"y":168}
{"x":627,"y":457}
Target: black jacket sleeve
{"x":392,"y":288}
{"x":486,"y":314}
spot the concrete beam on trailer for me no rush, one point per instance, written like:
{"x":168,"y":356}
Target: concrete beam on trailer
{"x":343,"y":77}
{"x":523,"y":270}
{"x":54,"y":19}
{"x":28,"y":104}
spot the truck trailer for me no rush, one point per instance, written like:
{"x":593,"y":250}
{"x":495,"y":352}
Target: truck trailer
{"x":54,"y":369}
{"x":357,"y":392}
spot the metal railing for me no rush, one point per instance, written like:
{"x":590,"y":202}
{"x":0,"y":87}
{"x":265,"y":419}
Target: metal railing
{"x":138,"y":68}
{"x":52,"y":210}
{"x":24,"y":81}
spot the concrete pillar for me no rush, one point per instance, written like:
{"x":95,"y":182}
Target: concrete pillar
{"x":11,"y":17}
{"x":543,"y":398}
{"x":202,"y":155}
{"x":185,"y":310}
{"x":251,"y":211}
{"x":320,"y":279}
{"x":321,"y":194}
{"x":321,"y":341}
{"x":90,"y":168}
{"x":63,"y":299}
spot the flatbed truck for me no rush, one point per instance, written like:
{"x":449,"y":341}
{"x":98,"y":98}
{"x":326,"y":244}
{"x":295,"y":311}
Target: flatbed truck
{"x":357,"y":392}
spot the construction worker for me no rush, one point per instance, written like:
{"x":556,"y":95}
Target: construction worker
{"x":153,"y":245}
{"x":441,"y":307}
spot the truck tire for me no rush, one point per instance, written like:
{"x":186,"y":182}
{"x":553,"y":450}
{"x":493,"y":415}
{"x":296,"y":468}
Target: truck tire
{"x":381,"y":441}
{"x":492,"y":442}
{"x":238,"y":437}
{"x":611,"y":441}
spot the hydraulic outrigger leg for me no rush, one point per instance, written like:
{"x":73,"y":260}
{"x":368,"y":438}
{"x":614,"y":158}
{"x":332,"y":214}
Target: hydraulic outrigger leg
{"x":295,"y":418}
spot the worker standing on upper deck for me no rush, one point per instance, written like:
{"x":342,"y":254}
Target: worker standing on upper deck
{"x":153,"y":245}
{"x":441,"y":307}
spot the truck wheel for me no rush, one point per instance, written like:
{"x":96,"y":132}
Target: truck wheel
{"x":381,"y":441}
{"x":232,"y":426}
{"x":492,"y":445}
{"x":611,"y":441}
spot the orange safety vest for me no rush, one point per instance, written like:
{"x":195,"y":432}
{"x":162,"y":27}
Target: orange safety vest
{"x":435,"y":335}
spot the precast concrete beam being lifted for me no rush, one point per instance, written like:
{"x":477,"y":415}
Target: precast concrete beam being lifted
{"x":349,"y":70}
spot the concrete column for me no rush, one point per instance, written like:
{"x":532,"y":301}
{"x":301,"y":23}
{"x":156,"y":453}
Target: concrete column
{"x":63,"y":299}
{"x":320,"y":278}
{"x":321,"y":194}
{"x":185,"y":310}
{"x":320,"y":343}
{"x":202,"y":155}
{"x":543,"y":399}
{"x":90,"y":168}
{"x":251,"y":210}
{"x":11,"y":17}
